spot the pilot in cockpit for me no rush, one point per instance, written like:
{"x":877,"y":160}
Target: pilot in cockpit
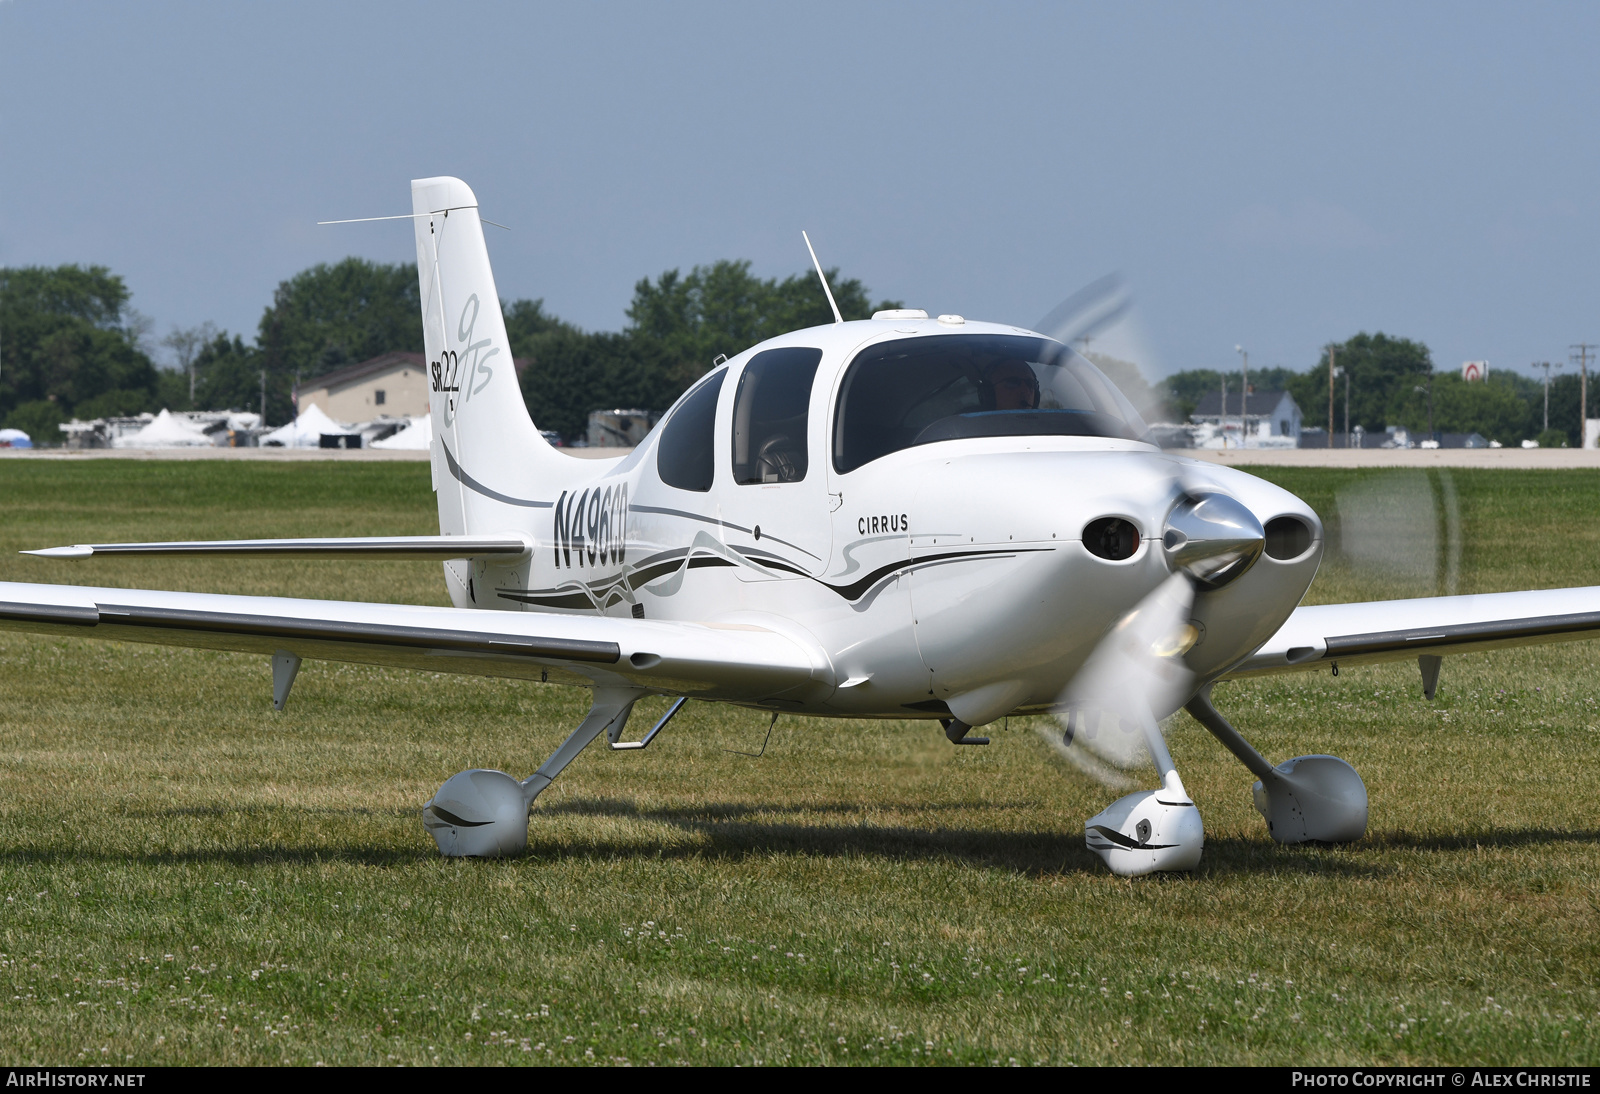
{"x":1011,"y":385}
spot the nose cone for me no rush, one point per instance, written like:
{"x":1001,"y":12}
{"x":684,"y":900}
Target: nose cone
{"x":1212,"y":538}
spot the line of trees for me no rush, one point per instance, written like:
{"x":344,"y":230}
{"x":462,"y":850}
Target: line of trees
{"x":70,"y":345}
{"x":70,"y":340}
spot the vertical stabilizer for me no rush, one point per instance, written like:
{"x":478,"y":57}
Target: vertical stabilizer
{"x":492,"y":470}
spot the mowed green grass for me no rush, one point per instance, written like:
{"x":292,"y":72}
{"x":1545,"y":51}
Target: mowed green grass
{"x":188,"y":877}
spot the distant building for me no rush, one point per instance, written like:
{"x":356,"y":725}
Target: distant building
{"x":1268,"y":415}
{"x":620,"y":428}
{"x":391,"y":385}
{"x":395,"y":384}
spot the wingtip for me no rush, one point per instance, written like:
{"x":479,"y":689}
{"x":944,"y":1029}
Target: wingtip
{"x":77,"y":550}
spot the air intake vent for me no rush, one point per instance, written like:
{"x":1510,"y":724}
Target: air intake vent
{"x":1111,"y":538}
{"x":1287,"y":538}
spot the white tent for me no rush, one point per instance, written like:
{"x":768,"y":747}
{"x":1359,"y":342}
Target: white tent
{"x":416,"y":436}
{"x":16,"y":438}
{"x":165,"y":432}
{"x":305,"y":431}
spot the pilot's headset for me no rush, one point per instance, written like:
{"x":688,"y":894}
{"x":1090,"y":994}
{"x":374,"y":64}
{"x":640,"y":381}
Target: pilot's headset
{"x":1008,"y":368}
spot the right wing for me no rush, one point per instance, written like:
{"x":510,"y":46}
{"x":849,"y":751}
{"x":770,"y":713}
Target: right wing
{"x":1401,"y":630}
{"x":737,"y":662}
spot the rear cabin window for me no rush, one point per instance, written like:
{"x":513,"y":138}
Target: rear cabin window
{"x":913,"y":391}
{"x":770,"y":413}
{"x":686,"y":456}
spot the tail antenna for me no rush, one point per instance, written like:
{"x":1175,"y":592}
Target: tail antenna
{"x":822,"y":277}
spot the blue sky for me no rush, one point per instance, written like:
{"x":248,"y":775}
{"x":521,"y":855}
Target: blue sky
{"x":1273,"y":175}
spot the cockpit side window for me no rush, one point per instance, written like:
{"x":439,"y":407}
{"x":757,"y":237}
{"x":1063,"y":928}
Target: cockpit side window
{"x":686,"y":454}
{"x":912,"y":391}
{"x":770,"y":412}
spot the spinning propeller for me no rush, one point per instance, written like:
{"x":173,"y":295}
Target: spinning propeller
{"x":1136,"y":676}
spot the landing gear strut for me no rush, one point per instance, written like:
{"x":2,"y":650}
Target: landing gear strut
{"x":1308,"y":798}
{"x":1153,"y":829}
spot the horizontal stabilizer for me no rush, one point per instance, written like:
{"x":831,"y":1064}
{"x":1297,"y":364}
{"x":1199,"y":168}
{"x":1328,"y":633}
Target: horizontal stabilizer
{"x":432,"y":548}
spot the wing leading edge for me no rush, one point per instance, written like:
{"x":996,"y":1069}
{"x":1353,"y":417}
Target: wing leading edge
{"x":1399,"y":630}
{"x":736,"y":662}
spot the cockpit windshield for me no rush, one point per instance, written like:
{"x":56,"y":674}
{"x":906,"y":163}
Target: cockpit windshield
{"x":913,"y":391}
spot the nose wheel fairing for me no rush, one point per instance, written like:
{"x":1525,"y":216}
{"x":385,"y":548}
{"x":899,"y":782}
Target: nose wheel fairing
{"x":1144,"y":833}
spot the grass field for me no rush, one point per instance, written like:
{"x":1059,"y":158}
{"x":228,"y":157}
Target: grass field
{"x":188,"y":877}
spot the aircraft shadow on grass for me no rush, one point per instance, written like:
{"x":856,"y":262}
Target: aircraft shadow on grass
{"x":737,"y":830}
{"x":733,"y":830}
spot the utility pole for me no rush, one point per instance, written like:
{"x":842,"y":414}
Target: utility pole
{"x":1583,"y":357}
{"x":1546,"y":366}
{"x":1244,"y":395}
{"x":1330,"y":396}
{"x":1224,"y":418}
{"x":1347,"y":408}
{"x":263,"y":396}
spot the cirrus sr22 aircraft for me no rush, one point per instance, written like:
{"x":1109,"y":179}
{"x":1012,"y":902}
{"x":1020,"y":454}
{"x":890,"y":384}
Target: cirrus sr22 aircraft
{"x":901,"y":517}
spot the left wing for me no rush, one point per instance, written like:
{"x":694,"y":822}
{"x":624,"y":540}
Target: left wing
{"x":1398,"y":630}
{"x":742,"y":661}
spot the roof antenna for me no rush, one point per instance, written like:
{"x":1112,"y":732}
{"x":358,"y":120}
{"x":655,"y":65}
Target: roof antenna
{"x":822,"y":277}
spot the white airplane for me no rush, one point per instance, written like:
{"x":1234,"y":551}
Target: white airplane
{"x":902,"y":517}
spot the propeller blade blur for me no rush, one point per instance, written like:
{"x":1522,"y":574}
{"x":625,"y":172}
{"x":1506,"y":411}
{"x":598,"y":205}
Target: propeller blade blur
{"x":1393,"y":529}
{"x":1134,"y":678}
{"x":1088,"y":311}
